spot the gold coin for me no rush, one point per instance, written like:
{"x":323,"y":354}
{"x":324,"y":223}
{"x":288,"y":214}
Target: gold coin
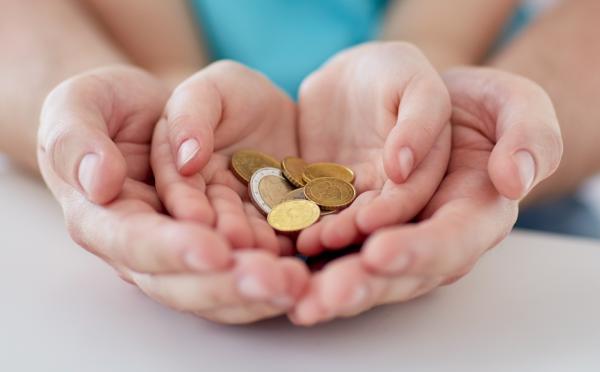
{"x":245,"y":162}
{"x":268,"y":188}
{"x":330,"y":192}
{"x":320,"y":170}
{"x":297,"y":194}
{"x":294,"y":215}
{"x":293,"y":169}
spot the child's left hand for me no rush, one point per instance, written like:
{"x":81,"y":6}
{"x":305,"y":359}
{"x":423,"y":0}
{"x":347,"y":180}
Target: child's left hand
{"x":382,"y":110}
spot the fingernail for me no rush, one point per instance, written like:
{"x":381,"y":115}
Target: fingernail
{"x":283,"y":302}
{"x":399,"y":263}
{"x":195,"y":261}
{"x":406,"y":161}
{"x":87,"y":171}
{"x":187,"y":151}
{"x":526,"y":166}
{"x":252,"y":288}
{"x":359,"y":296}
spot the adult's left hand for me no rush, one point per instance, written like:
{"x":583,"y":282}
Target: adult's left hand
{"x":506,"y":139}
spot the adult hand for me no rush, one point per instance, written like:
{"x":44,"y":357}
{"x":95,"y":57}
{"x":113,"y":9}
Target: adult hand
{"x":94,"y":148}
{"x":505,"y":140}
{"x":382,"y":110}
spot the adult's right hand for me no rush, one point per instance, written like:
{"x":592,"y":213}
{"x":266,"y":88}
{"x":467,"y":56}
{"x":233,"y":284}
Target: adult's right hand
{"x":93,"y":152}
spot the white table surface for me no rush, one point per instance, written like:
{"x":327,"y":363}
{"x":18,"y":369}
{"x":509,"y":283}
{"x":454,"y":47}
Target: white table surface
{"x":532,"y":304}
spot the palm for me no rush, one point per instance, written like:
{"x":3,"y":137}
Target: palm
{"x":347,"y":117}
{"x":469,"y":213}
{"x":258,"y":117}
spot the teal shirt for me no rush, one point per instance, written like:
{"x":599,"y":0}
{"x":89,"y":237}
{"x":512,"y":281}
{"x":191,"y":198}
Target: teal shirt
{"x":286,"y":39}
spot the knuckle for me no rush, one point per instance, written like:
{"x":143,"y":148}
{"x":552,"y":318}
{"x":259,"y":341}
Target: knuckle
{"x":56,"y":139}
{"x":75,"y":230}
{"x":77,"y":227}
{"x":179,"y":124}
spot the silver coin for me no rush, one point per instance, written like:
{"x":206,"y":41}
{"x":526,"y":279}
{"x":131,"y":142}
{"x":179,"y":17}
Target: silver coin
{"x":268,"y":188}
{"x":297,"y":194}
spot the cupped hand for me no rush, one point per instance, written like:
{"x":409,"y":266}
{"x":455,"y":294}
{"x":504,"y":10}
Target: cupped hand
{"x":379,"y":108}
{"x":382,"y":110}
{"x":505,"y":140}
{"x":221,"y":109}
{"x":94,"y":154}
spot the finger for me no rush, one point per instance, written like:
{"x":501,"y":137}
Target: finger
{"x":424,"y":110}
{"x":129,"y":233}
{"x":241,"y":314}
{"x":192,"y":114}
{"x":264,"y":235}
{"x":226,"y":96}
{"x":343,"y":288}
{"x":297,"y":277}
{"x":231,"y":219}
{"x":444,"y":244}
{"x":79,"y":118}
{"x":136,"y":190}
{"x":309,"y":241}
{"x":401,"y":203}
{"x":405,"y":288}
{"x":184,"y":197}
{"x":256,"y":277}
{"x":341,"y":229}
{"x":286,"y":245}
{"x":528,"y":141}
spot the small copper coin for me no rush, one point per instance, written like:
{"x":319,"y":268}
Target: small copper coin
{"x":321,"y":170}
{"x":293,"y":169}
{"x":245,"y":162}
{"x":330,"y":192}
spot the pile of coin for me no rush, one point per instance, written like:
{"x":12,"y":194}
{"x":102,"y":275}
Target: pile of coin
{"x":292,"y":193}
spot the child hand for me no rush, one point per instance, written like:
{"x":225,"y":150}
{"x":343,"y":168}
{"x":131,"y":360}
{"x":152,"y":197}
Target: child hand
{"x":382,"y":110}
{"x":93,"y":152}
{"x":221,"y":109}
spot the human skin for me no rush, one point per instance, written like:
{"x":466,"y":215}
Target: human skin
{"x":56,"y":36}
{"x":560,"y":52}
{"x":474,"y":208}
{"x":227,"y":107}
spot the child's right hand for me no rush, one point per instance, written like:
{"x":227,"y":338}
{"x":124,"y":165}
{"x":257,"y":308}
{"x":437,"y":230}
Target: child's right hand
{"x":219,"y":110}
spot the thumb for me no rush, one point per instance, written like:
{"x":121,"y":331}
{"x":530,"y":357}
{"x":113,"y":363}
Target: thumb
{"x":528,"y":145}
{"x":74,"y":145}
{"x":79,"y":120}
{"x":424,"y":111}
